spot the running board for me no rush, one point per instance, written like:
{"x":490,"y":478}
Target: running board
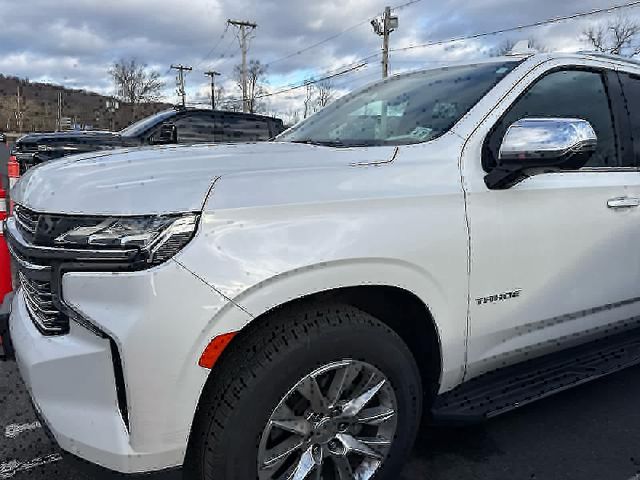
{"x":511,"y":387}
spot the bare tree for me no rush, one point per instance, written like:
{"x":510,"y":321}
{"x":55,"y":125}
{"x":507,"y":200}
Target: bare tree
{"x":230,"y":104}
{"x":309,"y":97}
{"x":135,"y":82}
{"x":506,"y":46}
{"x":615,"y":37}
{"x":503,"y":48}
{"x":220,"y":95}
{"x":537,"y":45}
{"x":256,"y":80}
{"x":325,"y":92}
{"x":291,"y":117}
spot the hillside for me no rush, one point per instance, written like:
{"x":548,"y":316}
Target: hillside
{"x":40,"y":105}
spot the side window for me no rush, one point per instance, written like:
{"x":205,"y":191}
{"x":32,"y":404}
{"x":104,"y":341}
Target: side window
{"x":631,"y":89}
{"x":242,"y":128}
{"x":196,"y":128}
{"x":569,"y":94}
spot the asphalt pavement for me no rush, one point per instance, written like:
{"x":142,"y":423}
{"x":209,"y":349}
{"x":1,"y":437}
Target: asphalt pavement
{"x":590,"y":432}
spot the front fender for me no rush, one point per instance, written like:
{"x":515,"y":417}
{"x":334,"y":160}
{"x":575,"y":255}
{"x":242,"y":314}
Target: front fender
{"x":297,"y":283}
{"x":266,"y":238}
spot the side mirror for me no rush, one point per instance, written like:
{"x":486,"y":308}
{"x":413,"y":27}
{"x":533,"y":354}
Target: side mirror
{"x":166,"y":135}
{"x":538,"y":145}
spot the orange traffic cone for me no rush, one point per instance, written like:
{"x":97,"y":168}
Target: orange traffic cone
{"x":5,"y":262}
{"x":13,"y":171}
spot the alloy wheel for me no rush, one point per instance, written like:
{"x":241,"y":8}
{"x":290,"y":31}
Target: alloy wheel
{"x":336,"y":423}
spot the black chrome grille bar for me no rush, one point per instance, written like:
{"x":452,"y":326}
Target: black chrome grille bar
{"x":39,"y":301}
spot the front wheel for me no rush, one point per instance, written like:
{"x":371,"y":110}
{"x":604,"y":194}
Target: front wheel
{"x":324,"y":393}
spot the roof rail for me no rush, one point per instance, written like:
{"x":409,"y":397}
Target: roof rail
{"x":609,"y":56}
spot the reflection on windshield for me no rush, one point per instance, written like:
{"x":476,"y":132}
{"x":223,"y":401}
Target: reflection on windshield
{"x":411,"y":108}
{"x":141,"y":126}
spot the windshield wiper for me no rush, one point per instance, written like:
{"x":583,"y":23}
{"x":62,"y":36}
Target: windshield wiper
{"x":333,"y":143}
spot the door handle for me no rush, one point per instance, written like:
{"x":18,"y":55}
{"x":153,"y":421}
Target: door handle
{"x":623,"y":202}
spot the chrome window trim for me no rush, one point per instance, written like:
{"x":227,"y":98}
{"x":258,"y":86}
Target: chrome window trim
{"x":604,"y":169}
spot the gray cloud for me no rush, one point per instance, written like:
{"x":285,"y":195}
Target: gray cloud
{"x":73,"y":43}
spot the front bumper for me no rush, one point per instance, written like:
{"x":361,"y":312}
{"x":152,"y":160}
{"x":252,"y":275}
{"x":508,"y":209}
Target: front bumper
{"x":155,"y":324}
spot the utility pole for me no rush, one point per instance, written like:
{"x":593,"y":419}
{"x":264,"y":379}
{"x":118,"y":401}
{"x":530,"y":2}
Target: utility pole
{"x":180,"y":82}
{"x":19,"y":112}
{"x":245,"y":30}
{"x":212,"y":74}
{"x":383,"y":28}
{"x":59,"y":113}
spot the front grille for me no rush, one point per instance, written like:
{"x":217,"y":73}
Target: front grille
{"x":27,"y":222}
{"x":40,"y":264}
{"x":39,"y":299}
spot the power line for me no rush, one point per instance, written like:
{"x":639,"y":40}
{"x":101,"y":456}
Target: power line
{"x":398,"y":7}
{"x":224,"y":52}
{"x":362,"y":62}
{"x":332,"y":37}
{"x":519,"y":27}
{"x":232,"y":54}
{"x":213,"y":49}
{"x":311,"y":82}
{"x":328,"y":73}
{"x":317,"y":44}
{"x":357,"y":79}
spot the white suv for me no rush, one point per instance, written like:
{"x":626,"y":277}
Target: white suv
{"x":446,"y":244}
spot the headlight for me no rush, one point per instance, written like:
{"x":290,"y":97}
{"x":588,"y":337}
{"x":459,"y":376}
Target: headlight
{"x":157,"y":237}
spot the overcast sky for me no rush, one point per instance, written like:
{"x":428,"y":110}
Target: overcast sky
{"x":72,"y":43}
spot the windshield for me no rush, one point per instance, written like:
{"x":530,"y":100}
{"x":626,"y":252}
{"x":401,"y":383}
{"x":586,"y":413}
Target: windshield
{"x":411,"y":108}
{"x":143,"y":125}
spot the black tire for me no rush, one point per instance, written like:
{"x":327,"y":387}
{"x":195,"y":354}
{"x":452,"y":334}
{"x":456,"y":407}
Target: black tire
{"x":264,"y":363}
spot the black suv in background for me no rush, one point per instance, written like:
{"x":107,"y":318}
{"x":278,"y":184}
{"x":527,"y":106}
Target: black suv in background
{"x":184,"y":126}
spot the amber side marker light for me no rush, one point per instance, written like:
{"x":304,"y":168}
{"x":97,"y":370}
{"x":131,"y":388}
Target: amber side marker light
{"x":215,"y":348}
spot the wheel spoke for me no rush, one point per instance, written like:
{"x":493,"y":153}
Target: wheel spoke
{"x":375,"y":415}
{"x":353,"y":407}
{"x":342,"y":379}
{"x":367,"y":469}
{"x":310,"y":390}
{"x":306,"y":464}
{"x":374,"y":441}
{"x":276,"y":456}
{"x":343,"y":468}
{"x":285,"y":419}
{"x":353,"y":445}
{"x":299,"y":426}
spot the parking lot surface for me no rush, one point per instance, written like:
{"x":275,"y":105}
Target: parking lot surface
{"x":591,"y":432}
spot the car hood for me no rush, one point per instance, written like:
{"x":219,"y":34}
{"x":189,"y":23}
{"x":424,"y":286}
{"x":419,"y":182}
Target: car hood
{"x":156,"y":180}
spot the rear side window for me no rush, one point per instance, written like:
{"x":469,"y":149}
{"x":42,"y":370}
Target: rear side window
{"x":241,"y":128}
{"x":631,"y":88}
{"x":566,"y":94}
{"x":196,"y":128}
